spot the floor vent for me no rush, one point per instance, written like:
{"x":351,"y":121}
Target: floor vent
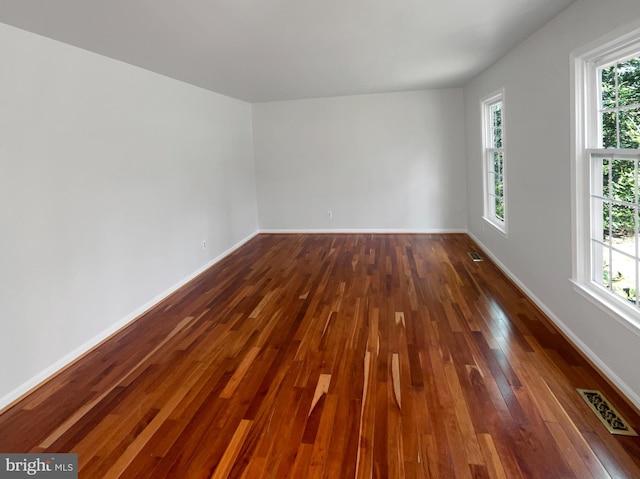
{"x":611,"y":419}
{"x":474,"y":256}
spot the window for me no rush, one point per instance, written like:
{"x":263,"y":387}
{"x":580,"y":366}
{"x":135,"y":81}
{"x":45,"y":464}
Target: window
{"x":606,"y":172}
{"x":494,"y":161}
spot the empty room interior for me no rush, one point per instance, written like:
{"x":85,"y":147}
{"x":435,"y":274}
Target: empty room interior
{"x":321,"y":239}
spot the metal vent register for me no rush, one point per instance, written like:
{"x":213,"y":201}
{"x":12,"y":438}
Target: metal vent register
{"x":474,"y":256}
{"x":611,"y":419}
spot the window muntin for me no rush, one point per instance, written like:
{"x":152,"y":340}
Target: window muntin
{"x":494,"y":161}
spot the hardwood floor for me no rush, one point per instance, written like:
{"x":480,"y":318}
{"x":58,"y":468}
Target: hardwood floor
{"x":333,"y":356}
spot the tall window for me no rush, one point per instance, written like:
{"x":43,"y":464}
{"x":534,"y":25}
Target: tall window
{"x":607,"y":264}
{"x":494,"y":161}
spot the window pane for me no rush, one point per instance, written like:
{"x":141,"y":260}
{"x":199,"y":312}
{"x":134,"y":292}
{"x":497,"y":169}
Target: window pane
{"x":626,"y":244}
{"x":629,"y":82}
{"x":601,"y":220}
{"x":601,"y":265}
{"x":629,"y":124}
{"x":496,"y":115}
{"x":622,"y":221}
{"x":497,"y":162}
{"x":499,"y":208}
{"x":609,"y":130}
{"x":497,"y":137}
{"x":499,"y":186}
{"x":496,"y":125}
{"x":623,"y":275}
{"x":620,"y":183}
{"x":608,"y":87}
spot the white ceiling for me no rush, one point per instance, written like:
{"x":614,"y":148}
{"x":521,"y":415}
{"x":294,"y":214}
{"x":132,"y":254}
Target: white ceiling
{"x":264,"y":50}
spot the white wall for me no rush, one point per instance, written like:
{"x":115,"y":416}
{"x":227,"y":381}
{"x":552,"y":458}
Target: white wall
{"x":538,"y":250}
{"x":378,"y":162}
{"x":110,"y":178}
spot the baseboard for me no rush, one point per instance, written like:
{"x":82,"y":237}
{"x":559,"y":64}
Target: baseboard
{"x":361,"y":231}
{"x":18,"y":393}
{"x":592,"y":357}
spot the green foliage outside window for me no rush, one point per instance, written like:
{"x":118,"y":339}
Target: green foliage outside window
{"x":620,"y":129}
{"x":498,"y":160}
{"x":619,"y":178}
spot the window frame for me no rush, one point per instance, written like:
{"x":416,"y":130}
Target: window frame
{"x":488,"y":151}
{"x":586,"y":146}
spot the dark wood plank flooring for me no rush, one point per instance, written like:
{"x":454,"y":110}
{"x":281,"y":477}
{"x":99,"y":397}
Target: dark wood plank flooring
{"x":332,"y":356}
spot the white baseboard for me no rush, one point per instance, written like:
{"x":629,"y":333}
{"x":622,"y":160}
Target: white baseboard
{"x":361,"y":231}
{"x":80,"y":351}
{"x":577,"y":342}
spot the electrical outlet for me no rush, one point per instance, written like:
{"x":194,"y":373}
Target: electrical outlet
{"x":204,"y":244}
{"x":329,"y":214}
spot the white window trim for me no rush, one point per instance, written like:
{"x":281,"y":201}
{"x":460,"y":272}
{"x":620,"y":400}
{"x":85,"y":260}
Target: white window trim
{"x":584,"y":106}
{"x":485,"y":106}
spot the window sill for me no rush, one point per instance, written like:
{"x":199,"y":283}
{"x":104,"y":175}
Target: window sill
{"x":617,"y":309}
{"x":498,"y":226}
